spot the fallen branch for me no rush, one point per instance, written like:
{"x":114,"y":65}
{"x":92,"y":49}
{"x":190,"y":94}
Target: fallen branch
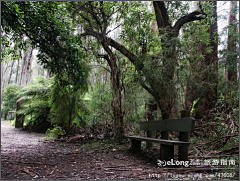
{"x":52,"y":170}
{"x":27,"y":171}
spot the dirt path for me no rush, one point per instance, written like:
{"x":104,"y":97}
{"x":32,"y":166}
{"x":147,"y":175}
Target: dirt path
{"x":28,"y":156}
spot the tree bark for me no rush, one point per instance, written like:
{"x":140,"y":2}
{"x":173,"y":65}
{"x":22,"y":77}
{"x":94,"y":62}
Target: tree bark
{"x":22,"y":79}
{"x":16,"y":78}
{"x":117,"y":97}
{"x":11,"y":72}
{"x":5,"y":77}
{"x":19,"y":118}
{"x":117,"y":104}
{"x":231,"y":63}
{"x":26,"y":66}
{"x":29,"y":66}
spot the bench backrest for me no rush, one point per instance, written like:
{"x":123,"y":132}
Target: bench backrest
{"x":178,"y":125}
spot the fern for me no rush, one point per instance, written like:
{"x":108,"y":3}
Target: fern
{"x":36,"y":109}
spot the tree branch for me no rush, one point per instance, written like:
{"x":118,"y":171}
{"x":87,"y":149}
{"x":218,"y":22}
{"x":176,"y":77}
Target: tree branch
{"x":104,"y":17}
{"x":114,"y":28}
{"x":102,"y":67}
{"x":133,"y":58}
{"x":161,"y":14}
{"x":95,"y":16}
{"x":145,"y":86}
{"x":188,"y":18}
{"x":106,"y":57}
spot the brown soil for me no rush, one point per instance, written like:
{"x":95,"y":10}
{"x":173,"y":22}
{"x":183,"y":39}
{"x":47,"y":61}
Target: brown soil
{"x":26,"y":156}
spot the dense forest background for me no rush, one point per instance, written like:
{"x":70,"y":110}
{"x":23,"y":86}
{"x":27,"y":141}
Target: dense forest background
{"x":83,"y":63}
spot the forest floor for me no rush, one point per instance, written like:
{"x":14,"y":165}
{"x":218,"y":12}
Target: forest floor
{"x":29,"y":156}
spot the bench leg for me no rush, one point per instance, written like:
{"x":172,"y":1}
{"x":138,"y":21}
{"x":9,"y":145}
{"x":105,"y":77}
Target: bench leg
{"x":166,"y":152}
{"x":183,"y":153}
{"x":136,"y":146}
{"x":183,"y":150}
{"x":149,"y":144}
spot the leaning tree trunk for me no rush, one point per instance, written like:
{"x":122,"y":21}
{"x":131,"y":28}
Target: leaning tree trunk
{"x":117,"y":97}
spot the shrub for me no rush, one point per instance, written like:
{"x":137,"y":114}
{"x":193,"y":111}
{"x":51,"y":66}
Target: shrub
{"x":53,"y":133}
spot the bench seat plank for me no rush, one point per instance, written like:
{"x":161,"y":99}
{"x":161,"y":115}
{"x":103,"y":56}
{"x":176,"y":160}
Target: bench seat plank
{"x":161,"y":141}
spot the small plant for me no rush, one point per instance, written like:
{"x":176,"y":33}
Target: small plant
{"x":53,"y":133}
{"x":101,"y":145}
{"x":194,"y":109}
{"x":13,"y":123}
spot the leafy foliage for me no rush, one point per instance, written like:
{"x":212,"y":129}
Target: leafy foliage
{"x":164,"y":63}
{"x":59,"y":49}
{"x":9,"y":99}
{"x":100,"y":98}
{"x":68,"y":107}
{"x":54,"y":132}
{"x":36,"y":109}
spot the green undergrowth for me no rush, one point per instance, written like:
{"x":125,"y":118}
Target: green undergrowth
{"x":11,"y":122}
{"x":107,"y":144}
{"x":54,"y":132}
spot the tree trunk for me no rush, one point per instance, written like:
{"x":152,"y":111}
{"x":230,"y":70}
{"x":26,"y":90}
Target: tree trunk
{"x":231,"y":64}
{"x":5,"y":77}
{"x":211,"y":61}
{"x":26,"y":66}
{"x":22,"y":79}
{"x":29,"y":66}
{"x":117,"y":97}
{"x":117,"y":104}
{"x":209,"y":76}
{"x":16,"y":78}
{"x":11,"y":71}
{"x":19,"y":118}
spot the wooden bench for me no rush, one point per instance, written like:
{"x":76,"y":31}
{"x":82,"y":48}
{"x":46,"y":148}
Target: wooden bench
{"x":182,"y":125}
